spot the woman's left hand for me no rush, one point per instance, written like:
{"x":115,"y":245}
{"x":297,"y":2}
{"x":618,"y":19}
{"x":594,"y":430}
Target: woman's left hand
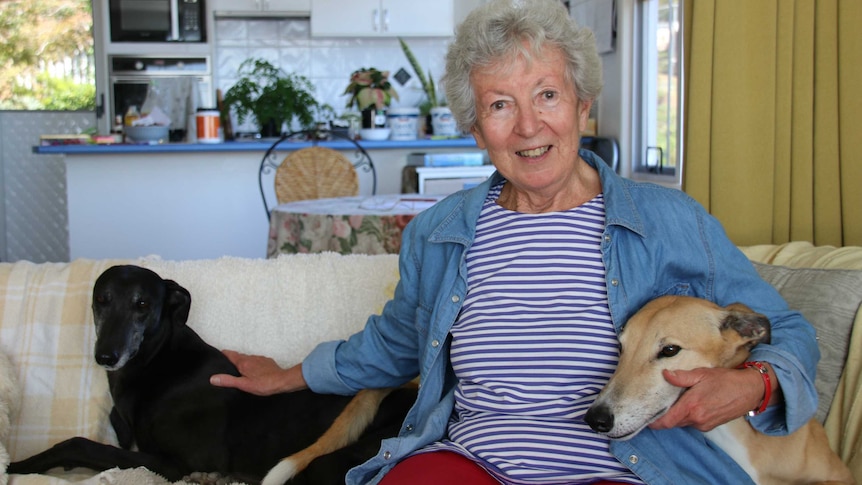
{"x":713,"y":397}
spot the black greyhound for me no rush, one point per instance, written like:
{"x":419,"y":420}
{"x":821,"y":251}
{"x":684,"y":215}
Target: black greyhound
{"x":158,"y":372}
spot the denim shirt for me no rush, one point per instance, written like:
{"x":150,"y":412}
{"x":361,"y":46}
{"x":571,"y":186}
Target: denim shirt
{"x":657,"y":241}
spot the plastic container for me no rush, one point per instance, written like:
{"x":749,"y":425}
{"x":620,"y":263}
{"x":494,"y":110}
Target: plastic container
{"x":443,"y":122}
{"x":404,"y":123}
{"x":207,"y":125}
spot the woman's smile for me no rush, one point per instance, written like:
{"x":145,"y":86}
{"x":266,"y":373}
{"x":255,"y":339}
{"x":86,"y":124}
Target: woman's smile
{"x":534,"y":152}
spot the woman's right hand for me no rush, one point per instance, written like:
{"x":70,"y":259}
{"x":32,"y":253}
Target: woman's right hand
{"x":260,"y":375}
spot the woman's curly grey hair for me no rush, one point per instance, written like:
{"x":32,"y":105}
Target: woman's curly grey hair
{"x":501,"y":30}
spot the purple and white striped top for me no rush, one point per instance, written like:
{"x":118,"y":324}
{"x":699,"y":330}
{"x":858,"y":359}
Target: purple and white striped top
{"x":532,"y":347}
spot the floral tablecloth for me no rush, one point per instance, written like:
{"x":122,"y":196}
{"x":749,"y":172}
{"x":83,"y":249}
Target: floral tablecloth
{"x":345,"y":225}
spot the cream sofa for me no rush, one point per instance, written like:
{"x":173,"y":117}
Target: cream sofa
{"x":283,"y":307}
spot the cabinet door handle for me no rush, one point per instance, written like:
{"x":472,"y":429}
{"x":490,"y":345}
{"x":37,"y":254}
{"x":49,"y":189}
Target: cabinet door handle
{"x":376,"y":20}
{"x":386,"y":20}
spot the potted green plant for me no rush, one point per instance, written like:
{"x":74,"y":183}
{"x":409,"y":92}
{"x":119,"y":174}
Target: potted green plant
{"x":370,"y":92}
{"x":272,"y":96}
{"x":432,"y":104}
{"x":428,"y":85}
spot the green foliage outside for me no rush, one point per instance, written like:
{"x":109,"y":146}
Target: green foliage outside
{"x":667,"y":83}
{"x":38,"y":37}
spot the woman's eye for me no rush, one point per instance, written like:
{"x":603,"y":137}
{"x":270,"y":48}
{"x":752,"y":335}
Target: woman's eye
{"x":669,"y":351}
{"x":497,"y":106}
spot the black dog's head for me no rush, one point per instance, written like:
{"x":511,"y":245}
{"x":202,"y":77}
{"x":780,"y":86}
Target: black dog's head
{"x":134,"y":307}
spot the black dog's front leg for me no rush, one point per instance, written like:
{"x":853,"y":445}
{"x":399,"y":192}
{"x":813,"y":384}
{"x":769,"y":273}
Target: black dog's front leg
{"x":125,"y":436}
{"x":81,"y":452}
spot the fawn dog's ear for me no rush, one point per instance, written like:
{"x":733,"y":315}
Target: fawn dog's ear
{"x":752,"y":326}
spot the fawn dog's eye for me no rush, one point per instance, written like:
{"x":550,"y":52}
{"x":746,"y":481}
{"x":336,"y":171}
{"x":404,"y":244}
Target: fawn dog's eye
{"x":669,"y":350}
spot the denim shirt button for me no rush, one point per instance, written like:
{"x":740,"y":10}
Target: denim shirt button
{"x":456,"y":299}
{"x":633,"y":459}
{"x":607,"y":238}
{"x":615,"y":282}
{"x":435,"y":343}
{"x":387,"y":455}
{"x":409,"y":428}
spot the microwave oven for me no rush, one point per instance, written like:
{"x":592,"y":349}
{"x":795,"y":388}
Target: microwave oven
{"x":157,"y":21}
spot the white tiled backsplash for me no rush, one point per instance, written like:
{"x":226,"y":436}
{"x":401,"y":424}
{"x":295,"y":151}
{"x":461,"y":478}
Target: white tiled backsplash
{"x":327,"y":62}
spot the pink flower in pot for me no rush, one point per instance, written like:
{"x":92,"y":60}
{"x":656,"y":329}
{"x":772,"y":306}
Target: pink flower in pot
{"x":370,"y":88}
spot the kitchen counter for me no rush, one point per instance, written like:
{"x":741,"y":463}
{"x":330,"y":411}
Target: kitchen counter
{"x":195,"y":200}
{"x":259,"y":146}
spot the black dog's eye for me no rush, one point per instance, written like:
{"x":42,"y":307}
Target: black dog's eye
{"x":101,"y":299}
{"x":142,"y":304}
{"x":669,"y":350}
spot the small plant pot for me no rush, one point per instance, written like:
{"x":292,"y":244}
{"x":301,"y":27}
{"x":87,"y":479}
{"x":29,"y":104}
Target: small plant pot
{"x":373,"y":118}
{"x":270,"y":129}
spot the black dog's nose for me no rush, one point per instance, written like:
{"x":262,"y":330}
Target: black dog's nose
{"x":600,"y":418}
{"x":107,"y":359}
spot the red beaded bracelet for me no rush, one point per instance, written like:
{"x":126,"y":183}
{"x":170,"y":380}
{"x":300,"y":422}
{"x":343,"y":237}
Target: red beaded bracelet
{"x":767,"y":383}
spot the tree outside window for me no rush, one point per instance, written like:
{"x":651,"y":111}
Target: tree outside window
{"x":46,"y":53}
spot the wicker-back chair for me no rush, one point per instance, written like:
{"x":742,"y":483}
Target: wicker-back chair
{"x":313,"y":172}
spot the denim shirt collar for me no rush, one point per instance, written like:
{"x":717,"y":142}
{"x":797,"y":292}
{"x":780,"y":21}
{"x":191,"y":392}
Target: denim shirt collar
{"x":620,"y":209}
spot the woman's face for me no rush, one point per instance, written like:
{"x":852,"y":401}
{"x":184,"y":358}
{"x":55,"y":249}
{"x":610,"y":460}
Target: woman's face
{"x":530,"y":119}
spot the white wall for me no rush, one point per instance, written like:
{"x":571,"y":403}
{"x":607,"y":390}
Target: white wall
{"x":33,"y":215}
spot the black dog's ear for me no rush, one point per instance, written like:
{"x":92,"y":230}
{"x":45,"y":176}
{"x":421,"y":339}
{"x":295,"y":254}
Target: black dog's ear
{"x":748,"y":323}
{"x":178,"y":302}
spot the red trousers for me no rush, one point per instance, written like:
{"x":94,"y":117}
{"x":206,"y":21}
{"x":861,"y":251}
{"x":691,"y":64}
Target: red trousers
{"x":442,"y":468}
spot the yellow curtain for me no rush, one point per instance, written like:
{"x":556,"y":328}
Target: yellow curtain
{"x":773,"y":118}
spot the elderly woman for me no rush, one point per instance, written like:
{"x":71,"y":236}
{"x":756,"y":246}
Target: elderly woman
{"x":512,"y":293}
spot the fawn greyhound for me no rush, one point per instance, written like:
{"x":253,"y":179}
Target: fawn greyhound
{"x":683,"y":333}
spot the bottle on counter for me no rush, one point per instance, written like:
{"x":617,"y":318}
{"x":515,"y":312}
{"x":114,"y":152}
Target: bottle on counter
{"x":117,"y":129}
{"x":132,"y":114}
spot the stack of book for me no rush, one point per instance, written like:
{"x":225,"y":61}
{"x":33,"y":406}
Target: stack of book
{"x":51,"y":140}
{"x":462,"y":159}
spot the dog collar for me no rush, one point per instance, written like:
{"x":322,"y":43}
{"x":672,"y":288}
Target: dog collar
{"x":767,"y":384}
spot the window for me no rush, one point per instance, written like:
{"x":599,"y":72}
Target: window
{"x":658,"y":91}
{"x":47,"y":55}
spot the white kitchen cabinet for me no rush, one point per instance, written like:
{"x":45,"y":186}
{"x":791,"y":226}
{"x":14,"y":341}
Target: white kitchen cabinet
{"x":382,"y":18}
{"x":260,"y":8}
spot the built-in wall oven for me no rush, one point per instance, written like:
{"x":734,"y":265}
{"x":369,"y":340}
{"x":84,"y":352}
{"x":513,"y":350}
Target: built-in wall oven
{"x":178,"y":86}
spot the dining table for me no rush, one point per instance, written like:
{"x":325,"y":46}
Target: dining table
{"x":345,"y":225}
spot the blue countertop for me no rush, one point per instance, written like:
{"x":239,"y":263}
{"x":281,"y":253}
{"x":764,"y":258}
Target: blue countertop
{"x":252,"y":145}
